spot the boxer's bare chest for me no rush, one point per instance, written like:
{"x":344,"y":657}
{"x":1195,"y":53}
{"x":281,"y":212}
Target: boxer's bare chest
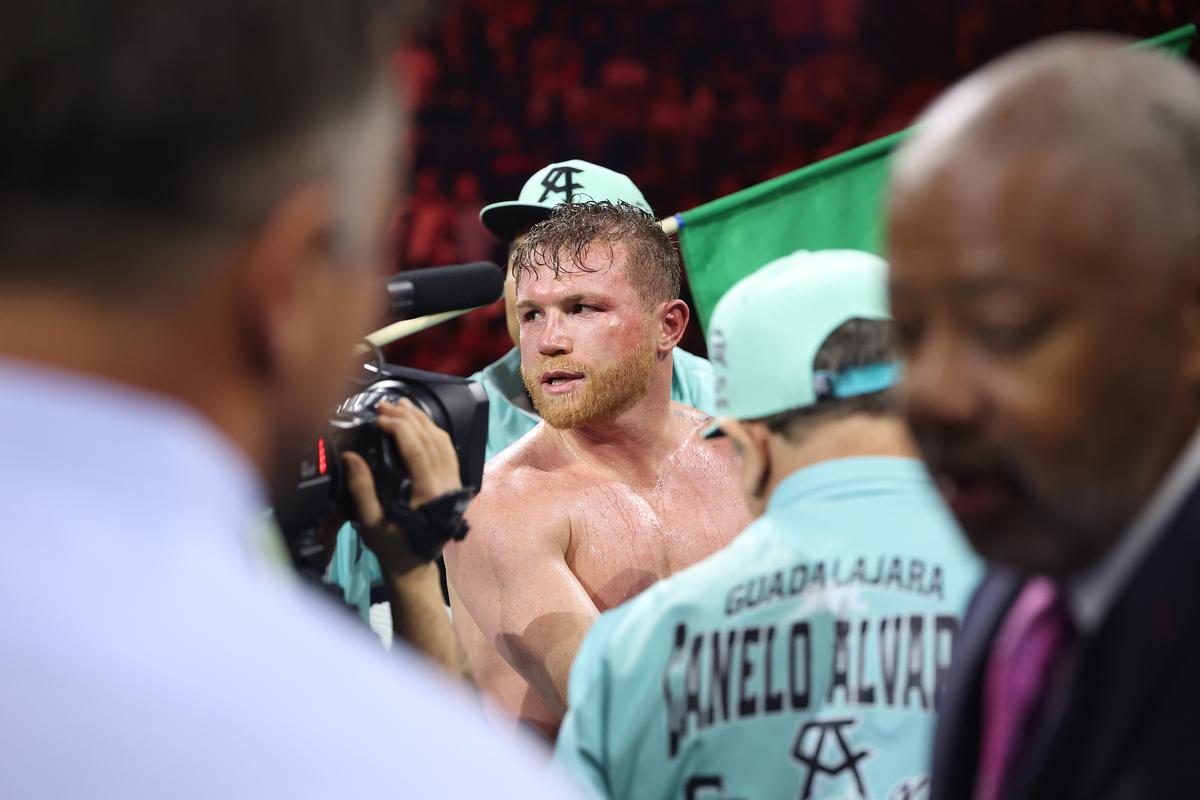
{"x":625,"y":536}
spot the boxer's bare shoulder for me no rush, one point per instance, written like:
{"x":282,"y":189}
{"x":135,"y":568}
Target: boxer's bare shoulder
{"x":517,"y":527}
{"x":520,"y":483}
{"x":618,"y":532}
{"x":525,"y":612}
{"x":557,"y":537}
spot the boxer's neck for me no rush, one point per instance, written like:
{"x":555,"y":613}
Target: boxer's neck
{"x":856,"y":436}
{"x":634,"y":444}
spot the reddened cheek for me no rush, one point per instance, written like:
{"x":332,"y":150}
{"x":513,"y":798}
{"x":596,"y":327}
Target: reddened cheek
{"x":615,"y":329}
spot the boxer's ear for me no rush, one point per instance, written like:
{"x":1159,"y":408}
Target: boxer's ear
{"x":672,"y":321}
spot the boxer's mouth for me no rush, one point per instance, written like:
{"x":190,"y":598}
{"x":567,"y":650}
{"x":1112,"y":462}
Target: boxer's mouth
{"x":557,"y":381}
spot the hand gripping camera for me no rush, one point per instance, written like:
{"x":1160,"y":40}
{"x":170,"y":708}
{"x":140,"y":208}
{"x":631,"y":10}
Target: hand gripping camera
{"x":455,"y":405}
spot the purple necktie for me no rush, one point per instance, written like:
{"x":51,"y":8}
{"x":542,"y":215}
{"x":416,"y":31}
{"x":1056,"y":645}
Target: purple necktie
{"x":1030,"y":640}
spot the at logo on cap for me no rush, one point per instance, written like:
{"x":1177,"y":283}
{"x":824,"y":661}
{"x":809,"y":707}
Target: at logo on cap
{"x":561,"y":180}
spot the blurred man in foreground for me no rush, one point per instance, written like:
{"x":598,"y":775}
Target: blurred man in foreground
{"x":805,"y":659}
{"x":193,"y":198}
{"x":615,"y":489}
{"x":1043,"y":232}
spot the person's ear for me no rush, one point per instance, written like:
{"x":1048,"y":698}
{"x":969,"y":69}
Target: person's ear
{"x":279,"y":281}
{"x":673,"y":319}
{"x":751,"y":440}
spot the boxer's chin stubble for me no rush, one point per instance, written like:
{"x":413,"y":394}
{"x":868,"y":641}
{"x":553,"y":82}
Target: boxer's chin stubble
{"x":605,"y":394}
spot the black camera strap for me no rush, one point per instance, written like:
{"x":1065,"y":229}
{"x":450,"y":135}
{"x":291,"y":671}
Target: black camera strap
{"x":433,"y":524}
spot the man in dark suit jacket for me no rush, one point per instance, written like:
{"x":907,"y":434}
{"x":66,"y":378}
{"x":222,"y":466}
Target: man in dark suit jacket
{"x":1044,"y":236}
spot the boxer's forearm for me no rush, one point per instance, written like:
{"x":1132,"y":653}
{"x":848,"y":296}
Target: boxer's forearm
{"x":419,"y":617}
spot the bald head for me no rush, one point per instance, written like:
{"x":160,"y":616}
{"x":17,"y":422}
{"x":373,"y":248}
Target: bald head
{"x":1043,"y":227}
{"x":1086,"y":110}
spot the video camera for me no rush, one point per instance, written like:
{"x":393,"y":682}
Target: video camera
{"x":456,"y":405}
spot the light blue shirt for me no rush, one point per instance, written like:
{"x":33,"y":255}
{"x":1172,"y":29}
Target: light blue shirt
{"x":149,"y":649}
{"x":354,"y":568}
{"x":805,"y":660}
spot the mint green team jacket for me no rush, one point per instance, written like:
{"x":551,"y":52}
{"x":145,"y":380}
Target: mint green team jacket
{"x":354,"y":568}
{"x":805,"y":660}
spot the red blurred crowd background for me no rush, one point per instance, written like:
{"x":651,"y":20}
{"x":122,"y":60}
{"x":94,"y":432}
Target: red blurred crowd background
{"x":692,"y":99}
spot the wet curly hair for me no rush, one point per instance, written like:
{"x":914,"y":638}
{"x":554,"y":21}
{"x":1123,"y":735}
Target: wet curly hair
{"x":561,"y":242}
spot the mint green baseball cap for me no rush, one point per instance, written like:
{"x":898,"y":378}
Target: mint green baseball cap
{"x":573,"y":181}
{"x":766,"y":331}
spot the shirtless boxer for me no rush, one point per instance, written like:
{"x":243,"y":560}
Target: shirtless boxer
{"x":615,"y":488}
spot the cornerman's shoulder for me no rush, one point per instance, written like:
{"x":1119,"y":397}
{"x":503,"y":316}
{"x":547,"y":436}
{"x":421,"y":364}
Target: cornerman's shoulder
{"x":692,"y":363}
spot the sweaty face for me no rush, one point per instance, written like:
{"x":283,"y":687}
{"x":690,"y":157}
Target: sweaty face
{"x":1045,"y":352}
{"x":587,"y":352}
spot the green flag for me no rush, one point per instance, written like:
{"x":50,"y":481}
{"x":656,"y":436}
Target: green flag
{"x":833,"y":203}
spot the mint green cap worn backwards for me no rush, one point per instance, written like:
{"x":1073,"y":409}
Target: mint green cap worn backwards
{"x":766,"y":331}
{"x":574,"y":181}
